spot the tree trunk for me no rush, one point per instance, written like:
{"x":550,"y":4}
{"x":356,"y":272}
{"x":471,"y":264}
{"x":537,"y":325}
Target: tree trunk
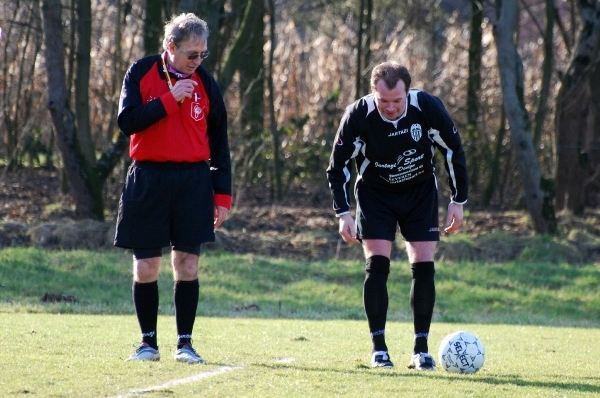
{"x":274,"y":129}
{"x":363,"y":49}
{"x":576,"y":115}
{"x":474,"y":84}
{"x":358,"y":92}
{"x":494,"y":180}
{"x":87,"y":203}
{"x":593,"y":188}
{"x":240,"y":52}
{"x":18,"y":69}
{"x":82,"y":81}
{"x":511,"y":78}
{"x":547,"y":70}
{"x":247,"y":58}
{"x":152,"y":27}
{"x":118,"y":68}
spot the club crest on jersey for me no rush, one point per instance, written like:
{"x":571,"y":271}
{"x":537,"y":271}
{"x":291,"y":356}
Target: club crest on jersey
{"x":338,"y":140}
{"x":415,"y":132}
{"x":197,"y":112}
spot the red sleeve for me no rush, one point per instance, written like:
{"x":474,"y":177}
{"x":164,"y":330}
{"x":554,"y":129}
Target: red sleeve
{"x":169,"y":102}
{"x":222,"y":200}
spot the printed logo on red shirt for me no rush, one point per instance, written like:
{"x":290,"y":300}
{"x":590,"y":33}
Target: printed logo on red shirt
{"x":197,"y":112}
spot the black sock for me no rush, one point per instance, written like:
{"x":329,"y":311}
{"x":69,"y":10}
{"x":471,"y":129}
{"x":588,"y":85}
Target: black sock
{"x":145,"y":301}
{"x":375,"y":298}
{"x":185,"y":296}
{"x":422,"y":301}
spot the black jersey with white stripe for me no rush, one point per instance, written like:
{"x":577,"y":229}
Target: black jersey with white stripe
{"x":395,"y":155}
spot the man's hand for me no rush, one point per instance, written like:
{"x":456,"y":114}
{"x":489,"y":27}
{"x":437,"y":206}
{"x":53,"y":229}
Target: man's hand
{"x":348,"y":229}
{"x":455,"y":217}
{"x":183,"y":88}
{"x":220,"y":215}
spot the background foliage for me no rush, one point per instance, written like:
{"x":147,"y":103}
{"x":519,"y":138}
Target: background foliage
{"x":322,"y":55}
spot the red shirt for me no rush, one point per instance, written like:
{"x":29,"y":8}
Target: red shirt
{"x":161,"y":130}
{"x":181,"y":135}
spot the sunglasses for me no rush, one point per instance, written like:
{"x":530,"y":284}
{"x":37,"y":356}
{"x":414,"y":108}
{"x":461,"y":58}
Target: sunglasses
{"x":191,"y":57}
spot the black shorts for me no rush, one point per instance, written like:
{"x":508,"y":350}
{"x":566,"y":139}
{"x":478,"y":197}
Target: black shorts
{"x":379,"y":214}
{"x":166,"y":204}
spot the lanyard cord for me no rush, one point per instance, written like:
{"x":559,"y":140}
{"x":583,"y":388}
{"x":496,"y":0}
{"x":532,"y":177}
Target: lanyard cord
{"x":168,"y":76}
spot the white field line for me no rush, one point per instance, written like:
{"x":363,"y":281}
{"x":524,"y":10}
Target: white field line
{"x":284,"y":360}
{"x":177,"y":382}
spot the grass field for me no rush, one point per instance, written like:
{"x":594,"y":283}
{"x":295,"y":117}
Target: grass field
{"x":278,"y":328}
{"x":82,"y":356}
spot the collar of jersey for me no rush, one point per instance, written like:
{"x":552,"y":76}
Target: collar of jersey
{"x":394,"y":122}
{"x":174,"y":71}
{"x":179,"y":75}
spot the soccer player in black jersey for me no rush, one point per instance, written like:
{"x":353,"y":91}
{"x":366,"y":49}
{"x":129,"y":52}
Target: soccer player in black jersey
{"x":391,"y":134}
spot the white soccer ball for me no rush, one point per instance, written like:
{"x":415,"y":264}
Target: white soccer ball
{"x":461,"y":352}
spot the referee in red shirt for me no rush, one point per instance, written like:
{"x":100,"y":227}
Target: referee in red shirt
{"x":178,"y":188}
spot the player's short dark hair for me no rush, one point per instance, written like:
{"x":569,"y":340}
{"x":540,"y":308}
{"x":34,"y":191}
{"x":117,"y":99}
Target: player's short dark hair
{"x":391,"y":72}
{"x":183,"y":27}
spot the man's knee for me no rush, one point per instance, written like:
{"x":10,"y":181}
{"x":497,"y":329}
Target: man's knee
{"x":423,"y":270}
{"x":379,"y":265}
{"x":185,"y":266}
{"x":420,"y":251}
{"x":146,"y":270}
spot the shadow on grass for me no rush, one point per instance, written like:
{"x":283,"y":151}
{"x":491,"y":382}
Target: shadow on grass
{"x":512,"y":379}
